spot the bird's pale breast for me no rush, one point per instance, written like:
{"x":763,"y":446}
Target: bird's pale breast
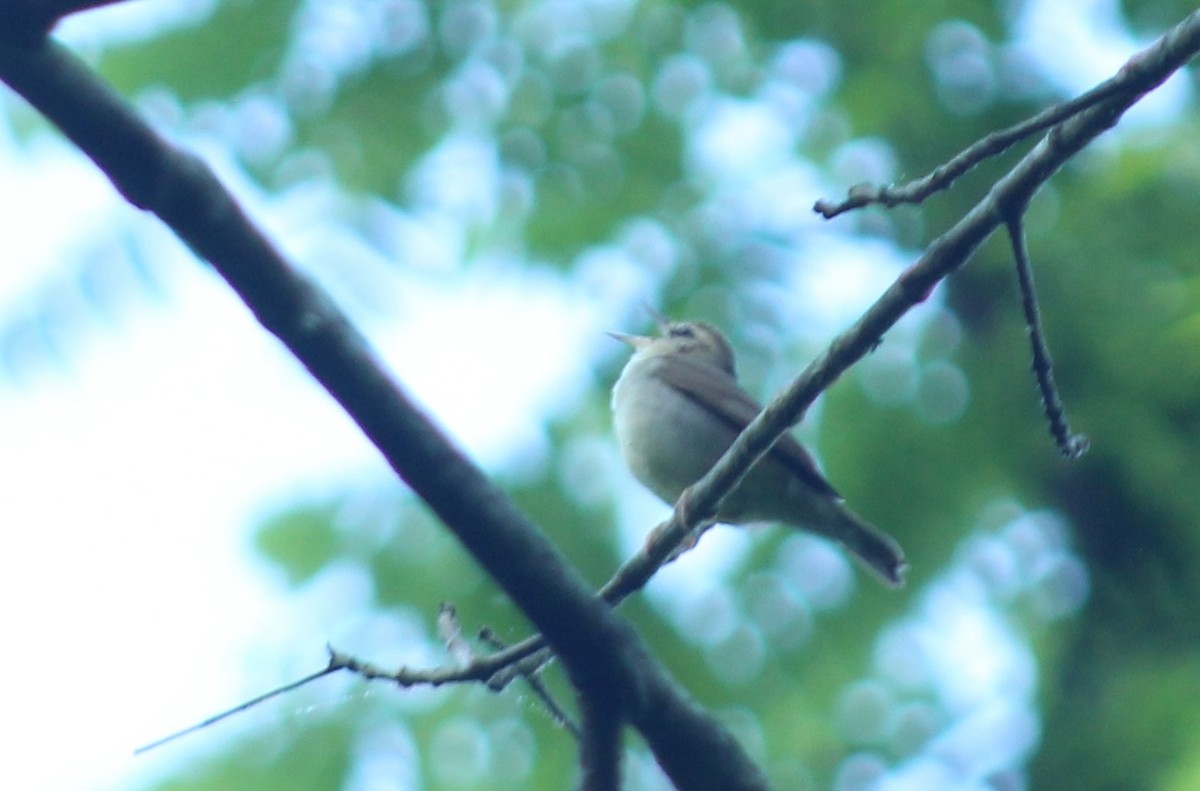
{"x":667,"y":441}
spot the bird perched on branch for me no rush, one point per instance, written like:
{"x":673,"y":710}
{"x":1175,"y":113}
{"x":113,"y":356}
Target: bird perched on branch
{"x":677,"y":407}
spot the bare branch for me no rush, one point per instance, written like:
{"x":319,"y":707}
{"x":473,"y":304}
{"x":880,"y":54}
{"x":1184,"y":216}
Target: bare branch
{"x":947,"y":253}
{"x":64,"y":8}
{"x":29,"y":20}
{"x":599,"y":649}
{"x":1069,"y":445}
{"x":529,"y":671}
{"x":942,"y":177}
{"x":332,"y":667}
{"x":451,"y":633}
{"x":951,"y":250}
{"x":600,"y":747}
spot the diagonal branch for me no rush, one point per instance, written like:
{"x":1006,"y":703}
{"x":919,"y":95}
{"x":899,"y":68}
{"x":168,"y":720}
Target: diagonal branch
{"x":333,"y":666}
{"x":1125,"y":87}
{"x":943,"y":176}
{"x":600,"y":745}
{"x":950,"y":251}
{"x":29,"y":20}
{"x":598,"y":648}
{"x":1069,"y":445}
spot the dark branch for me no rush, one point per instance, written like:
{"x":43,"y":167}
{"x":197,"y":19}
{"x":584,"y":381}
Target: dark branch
{"x":29,"y":20}
{"x":946,"y":254}
{"x":333,"y":666}
{"x":64,"y":8}
{"x":600,"y":747}
{"x":950,"y":251}
{"x":943,"y":176}
{"x":598,"y":648}
{"x":181,"y":189}
{"x":1069,"y":445}
{"x":529,"y":671}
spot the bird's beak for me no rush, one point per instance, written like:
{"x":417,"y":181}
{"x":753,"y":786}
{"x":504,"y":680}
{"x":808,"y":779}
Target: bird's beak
{"x":659,"y":319}
{"x":636,"y":341}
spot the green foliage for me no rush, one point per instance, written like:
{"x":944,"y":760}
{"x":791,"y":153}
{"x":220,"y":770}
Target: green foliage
{"x":299,"y":543}
{"x":1113,"y":245}
{"x":239,"y":45}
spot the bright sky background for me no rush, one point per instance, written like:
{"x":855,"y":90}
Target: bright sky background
{"x":129,"y":615}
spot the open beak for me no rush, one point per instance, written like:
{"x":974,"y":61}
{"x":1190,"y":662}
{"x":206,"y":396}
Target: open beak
{"x":640,"y":341}
{"x":659,"y":319}
{"x":636,"y":341}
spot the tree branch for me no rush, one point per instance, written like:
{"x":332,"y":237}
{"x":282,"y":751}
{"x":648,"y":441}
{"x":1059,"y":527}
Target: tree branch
{"x":943,"y":176}
{"x":536,"y":685}
{"x":334,"y":665}
{"x":29,"y":20}
{"x":1141,"y":74}
{"x":600,"y":745}
{"x":598,"y":648}
{"x":1069,"y":445}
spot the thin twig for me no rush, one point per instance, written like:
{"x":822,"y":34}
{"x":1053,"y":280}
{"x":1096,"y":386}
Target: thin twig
{"x":1069,"y":445}
{"x":450,"y":631}
{"x":1141,"y":74}
{"x":943,"y":176}
{"x":536,"y":684}
{"x":332,"y":667}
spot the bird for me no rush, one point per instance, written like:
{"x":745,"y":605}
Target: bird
{"x":677,"y":407}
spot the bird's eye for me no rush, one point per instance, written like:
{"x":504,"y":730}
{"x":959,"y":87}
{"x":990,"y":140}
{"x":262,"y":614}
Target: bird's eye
{"x":681,"y":331}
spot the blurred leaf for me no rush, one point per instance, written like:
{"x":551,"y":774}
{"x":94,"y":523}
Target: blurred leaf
{"x":1114,"y":256}
{"x":300,"y":542}
{"x":240,"y":44}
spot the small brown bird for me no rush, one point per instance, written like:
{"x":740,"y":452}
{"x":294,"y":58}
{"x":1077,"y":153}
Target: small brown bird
{"x":677,"y":407}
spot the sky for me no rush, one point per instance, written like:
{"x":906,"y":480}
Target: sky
{"x":129,"y":616}
{"x":182,"y":398}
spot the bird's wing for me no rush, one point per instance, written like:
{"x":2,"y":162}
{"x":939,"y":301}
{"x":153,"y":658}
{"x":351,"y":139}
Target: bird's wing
{"x":720,"y":393}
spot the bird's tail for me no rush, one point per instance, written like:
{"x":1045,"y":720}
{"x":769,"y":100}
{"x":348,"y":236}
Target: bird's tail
{"x":878,"y":551}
